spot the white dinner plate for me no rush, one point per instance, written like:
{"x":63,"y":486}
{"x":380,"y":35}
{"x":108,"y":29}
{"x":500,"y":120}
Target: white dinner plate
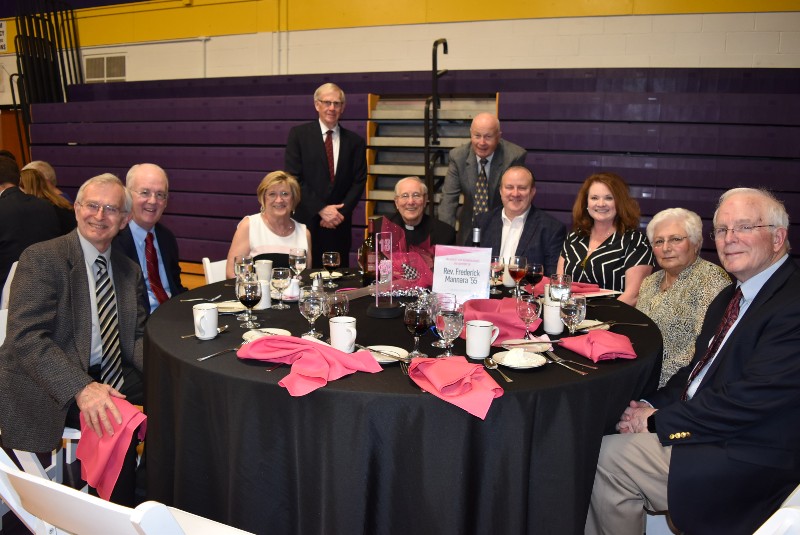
{"x":394,"y":350}
{"x":585,"y":324}
{"x":333,"y":275}
{"x":255,"y":334}
{"x":528,"y":345}
{"x":520,"y":359}
{"x":226,"y":307}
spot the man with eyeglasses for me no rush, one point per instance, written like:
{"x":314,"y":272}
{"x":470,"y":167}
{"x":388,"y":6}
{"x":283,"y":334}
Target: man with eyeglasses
{"x":718,"y":446}
{"x":474,"y":171}
{"x":146,"y":240}
{"x":329,"y":162}
{"x":411,"y":199}
{"x":75,"y":338}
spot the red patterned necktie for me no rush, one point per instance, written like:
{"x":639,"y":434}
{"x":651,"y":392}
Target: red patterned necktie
{"x":731,"y":313}
{"x":151,"y":257}
{"x":329,"y":152}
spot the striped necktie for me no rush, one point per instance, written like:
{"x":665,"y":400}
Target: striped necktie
{"x":111,"y":365}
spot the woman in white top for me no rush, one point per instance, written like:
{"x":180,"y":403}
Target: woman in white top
{"x":272,"y":230}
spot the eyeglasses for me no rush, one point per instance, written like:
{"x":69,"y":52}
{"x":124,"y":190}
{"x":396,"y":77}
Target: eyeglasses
{"x":93,"y":208}
{"x":673,"y":241}
{"x":160,"y":196}
{"x":272,"y":195}
{"x":328,"y":103}
{"x":405,"y":196}
{"x":719,"y":233}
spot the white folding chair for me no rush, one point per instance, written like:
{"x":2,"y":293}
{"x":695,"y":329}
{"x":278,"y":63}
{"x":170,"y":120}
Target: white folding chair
{"x":214,"y":271}
{"x":784,"y":521}
{"x":55,"y":470}
{"x":657,"y":524}
{"x":7,"y":287}
{"x":3,"y":324}
{"x":12,"y":499}
{"x":793,"y":499}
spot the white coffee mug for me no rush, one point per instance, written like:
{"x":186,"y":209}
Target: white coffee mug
{"x":343,"y":333}
{"x":205,"y":320}
{"x":264,"y":270}
{"x":266,"y":298}
{"x":552,"y":317}
{"x":481,"y":335}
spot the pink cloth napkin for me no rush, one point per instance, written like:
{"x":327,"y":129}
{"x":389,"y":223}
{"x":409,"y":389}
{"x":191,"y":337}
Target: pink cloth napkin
{"x":600,"y":345}
{"x":313,"y":363}
{"x":456,"y":381}
{"x":101,"y":457}
{"x":577,"y":288}
{"x":501,"y":312}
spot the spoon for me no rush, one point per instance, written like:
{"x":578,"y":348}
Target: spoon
{"x":492,"y":365}
{"x":220,"y":330}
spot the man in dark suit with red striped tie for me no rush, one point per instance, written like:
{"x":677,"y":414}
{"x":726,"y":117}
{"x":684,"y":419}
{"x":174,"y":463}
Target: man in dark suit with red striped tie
{"x":330,"y":164}
{"x":718,"y":446}
{"x":148,"y":242}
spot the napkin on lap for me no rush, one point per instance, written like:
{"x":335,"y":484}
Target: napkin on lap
{"x":101,"y":457}
{"x":600,"y":345}
{"x":313,"y":363}
{"x":501,"y":312}
{"x":456,"y":381}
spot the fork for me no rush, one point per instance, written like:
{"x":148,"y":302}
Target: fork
{"x":237,"y":348}
{"x":210,"y":300}
{"x":611,"y":323}
{"x":558,"y":360}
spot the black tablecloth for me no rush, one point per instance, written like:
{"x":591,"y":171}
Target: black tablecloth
{"x":371,"y":453}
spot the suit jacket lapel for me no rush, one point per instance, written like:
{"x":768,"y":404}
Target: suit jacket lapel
{"x":125,"y":293}
{"x":80,"y":299}
{"x":528,"y":232}
{"x":494,"y":171}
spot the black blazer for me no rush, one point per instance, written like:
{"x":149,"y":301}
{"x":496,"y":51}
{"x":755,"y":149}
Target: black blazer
{"x":541,"y":240}
{"x":736,"y":443}
{"x":168,"y":250}
{"x":306,"y":160}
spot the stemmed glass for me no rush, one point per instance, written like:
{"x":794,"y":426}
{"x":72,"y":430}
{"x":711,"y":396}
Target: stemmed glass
{"x":528,"y":309}
{"x":498,"y":266}
{"x":337,"y":304}
{"x":297,"y":260}
{"x":573,"y":311}
{"x":417,"y":319}
{"x":449,"y":319}
{"x":311,"y":304}
{"x":560,"y":287}
{"x":330,"y":261}
{"x":534,"y":275}
{"x":280,"y":281}
{"x":248,"y":291}
{"x":242,"y":264}
{"x":517,"y":267}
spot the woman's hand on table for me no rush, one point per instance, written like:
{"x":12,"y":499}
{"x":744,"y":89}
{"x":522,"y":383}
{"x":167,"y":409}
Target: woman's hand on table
{"x":634,"y":417}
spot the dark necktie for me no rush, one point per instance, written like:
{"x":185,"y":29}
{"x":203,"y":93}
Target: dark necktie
{"x":111,"y":364}
{"x":154,"y":279}
{"x":329,"y":152}
{"x":481,"y":191}
{"x":731,"y":313}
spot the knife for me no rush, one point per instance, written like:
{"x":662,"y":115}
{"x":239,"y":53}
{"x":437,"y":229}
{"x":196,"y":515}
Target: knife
{"x":558,"y":360}
{"x":384,"y":353}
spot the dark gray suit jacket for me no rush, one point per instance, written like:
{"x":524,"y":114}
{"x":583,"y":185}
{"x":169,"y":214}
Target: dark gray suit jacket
{"x":44,"y":361}
{"x":462,"y":175}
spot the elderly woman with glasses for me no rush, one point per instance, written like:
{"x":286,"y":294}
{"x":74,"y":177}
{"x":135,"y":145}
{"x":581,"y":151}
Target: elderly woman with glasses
{"x":272,"y":231}
{"x":677,"y":296}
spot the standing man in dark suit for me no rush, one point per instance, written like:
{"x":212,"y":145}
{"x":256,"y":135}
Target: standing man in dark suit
{"x":24,"y":219}
{"x":77,"y":329}
{"x":488,"y":151}
{"x":330,"y":163}
{"x":518,"y":228}
{"x":145,"y":240}
{"x":719,"y":445}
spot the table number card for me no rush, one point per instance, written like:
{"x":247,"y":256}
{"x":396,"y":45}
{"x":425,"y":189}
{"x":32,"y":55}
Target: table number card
{"x":463,"y":271}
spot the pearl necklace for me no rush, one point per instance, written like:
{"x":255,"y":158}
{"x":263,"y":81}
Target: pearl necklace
{"x":286,"y":231}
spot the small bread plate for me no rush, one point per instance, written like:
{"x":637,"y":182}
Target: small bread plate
{"x":333,"y":275}
{"x":230,"y":307}
{"x":392,"y":350}
{"x":519,"y":359}
{"x":534,"y":346}
{"x":255,"y":334}
{"x":588,"y":324}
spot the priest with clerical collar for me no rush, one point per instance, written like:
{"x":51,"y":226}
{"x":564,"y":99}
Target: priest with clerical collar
{"x":411,"y":200}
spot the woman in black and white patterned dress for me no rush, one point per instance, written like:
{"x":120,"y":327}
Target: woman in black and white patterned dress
{"x":605,"y":246}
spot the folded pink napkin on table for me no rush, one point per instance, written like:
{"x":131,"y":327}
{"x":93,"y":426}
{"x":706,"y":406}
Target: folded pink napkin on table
{"x":313,"y":363}
{"x":501,"y":312}
{"x":600,"y":345}
{"x":101,"y":457}
{"x":456,"y":381}
{"x":577,"y":288}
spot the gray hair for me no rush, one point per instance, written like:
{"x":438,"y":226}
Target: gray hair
{"x":324,"y":88}
{"x":131,"y":176}
{"x":414,"y":179}
{"x":775,"y":212}
{"x":106,"y":179}
{"x":45,"y":168}
{"x":690,"y":220}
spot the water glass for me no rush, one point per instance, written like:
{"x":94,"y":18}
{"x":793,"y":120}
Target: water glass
{"x":449,"y":321}
{"x":311,"y":303}
{"x":280,"y":281}
{"x":528,"y":310}
{"x":560,"y":286}
{"x":573,"y":311}
{"x":297,"y":260}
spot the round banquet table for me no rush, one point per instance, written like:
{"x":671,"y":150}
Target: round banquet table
{"x":372,"y":453}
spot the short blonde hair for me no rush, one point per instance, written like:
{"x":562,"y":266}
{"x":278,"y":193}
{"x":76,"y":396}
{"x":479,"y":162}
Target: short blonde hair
{"x":279,"y":177}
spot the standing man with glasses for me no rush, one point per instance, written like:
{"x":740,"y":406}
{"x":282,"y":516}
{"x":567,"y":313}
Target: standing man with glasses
{"x":719,"y":446}
{"x":475,"y":170}
{"x":148,"y":242}
{"x":75,"y":339}
{"x":330,"y":164}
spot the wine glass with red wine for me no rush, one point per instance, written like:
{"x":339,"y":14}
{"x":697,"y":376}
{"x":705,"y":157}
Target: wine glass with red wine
{"x":498,"y":267}
{"x":330,"y":261}
{"x":534,"y":275}
{"x":248,"y":290}
{"x":517,"y":268}
{"x":417,"y":319}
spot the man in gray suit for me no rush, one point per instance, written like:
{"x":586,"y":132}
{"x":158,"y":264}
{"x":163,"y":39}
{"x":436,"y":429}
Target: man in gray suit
{"x":56,"y":359}
{"x":486,"y":149}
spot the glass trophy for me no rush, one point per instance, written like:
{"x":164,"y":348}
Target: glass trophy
{"x":385,"y":306}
